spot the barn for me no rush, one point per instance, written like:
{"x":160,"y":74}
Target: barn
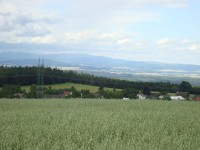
{"x":197,"y":98}
{"x":177,"y":98}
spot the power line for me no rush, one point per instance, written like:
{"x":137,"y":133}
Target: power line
{"x":40,"y":79}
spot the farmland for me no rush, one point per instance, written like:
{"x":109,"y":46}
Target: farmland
{"x":79,"y":87}
{"x":99,"y":124}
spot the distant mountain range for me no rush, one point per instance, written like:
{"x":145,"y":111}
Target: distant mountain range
{"x":109,"y":67}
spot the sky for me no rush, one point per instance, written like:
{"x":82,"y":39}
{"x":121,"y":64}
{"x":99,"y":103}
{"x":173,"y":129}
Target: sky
{"x":139,"y":30}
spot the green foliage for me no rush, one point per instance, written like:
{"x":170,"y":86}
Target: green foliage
{"x":99,"y":124}
{"x":146,"y":91}
{"x":185,"y":86}
{"x":28,"y":76}
{"x":9,"y":91}
{"x":32,"y":92}
{"x":163,"y":93}
{"x":51,"y":91}
{"x":166,"y":97}
{"x":101,"y":88}
{"x":107,"y":94}
{"x":68,"y":85}
{"x":130,"y":93}
{"x":87,"y":94}
{"x":83,"y":78}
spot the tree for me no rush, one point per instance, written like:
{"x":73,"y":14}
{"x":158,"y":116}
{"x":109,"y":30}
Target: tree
{"x":86,"y":94}
{"x":75,"y":93}
{"x":163,"y":93}
{"x":32,"y":92}
{"x":130,"y":93}
{"x":185,"y":86}
{"x":8,"y":91}
{"x":101,"y":88}
{"x":146,"y":91}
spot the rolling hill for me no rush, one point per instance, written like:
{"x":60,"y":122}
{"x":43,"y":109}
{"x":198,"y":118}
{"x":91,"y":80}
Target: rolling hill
{"x":108,"y":67}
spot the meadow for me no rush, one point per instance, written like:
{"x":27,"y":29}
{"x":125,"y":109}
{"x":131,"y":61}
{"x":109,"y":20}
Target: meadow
{"x":79,"y":87}
{"x":74,"y":124}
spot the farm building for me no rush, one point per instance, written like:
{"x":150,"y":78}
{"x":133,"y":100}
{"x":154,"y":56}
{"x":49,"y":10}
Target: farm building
{"x":19,"y":95}
{"x":197,"y":98}
{"x":67,"y":93}
{"x":177,"y":98}
{"x":183,"y":94}
{"x":141,"y":96}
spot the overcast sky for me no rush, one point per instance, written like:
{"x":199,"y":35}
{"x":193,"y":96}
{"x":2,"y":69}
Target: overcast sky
{"x":145,"y":30}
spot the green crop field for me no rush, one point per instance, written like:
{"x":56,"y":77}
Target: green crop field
{"x":79,"y":87}
{"x":99,"y":125}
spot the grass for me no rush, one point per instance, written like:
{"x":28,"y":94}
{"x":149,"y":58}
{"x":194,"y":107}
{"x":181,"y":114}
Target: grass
{"x":79,"y":87}
{"x":170,"y":94}
{"x":99,"y":124}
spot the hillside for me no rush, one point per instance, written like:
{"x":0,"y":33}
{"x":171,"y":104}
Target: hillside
{"x":29,"y":75}
{"x":79,"y":87}
{"x":109,"y":67}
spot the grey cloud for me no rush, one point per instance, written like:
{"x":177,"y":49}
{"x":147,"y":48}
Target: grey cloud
{"x":6,"y":25}
{"x":44,"y":48}
{"x":24,"y":19}
{"x":31,"y":31}
{"x":24,"y":25}
{"x":10,"y":22}
{"x":6,"y":14}
{"x":116,"y":13}
{"x":29,"y":47}
{"x":51,"y":20}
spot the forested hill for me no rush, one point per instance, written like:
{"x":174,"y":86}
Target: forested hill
{"x":29,"y":75}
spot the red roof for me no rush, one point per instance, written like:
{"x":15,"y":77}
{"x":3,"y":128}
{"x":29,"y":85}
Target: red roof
{"x":198,"y":98}
{"x":67,"y":93}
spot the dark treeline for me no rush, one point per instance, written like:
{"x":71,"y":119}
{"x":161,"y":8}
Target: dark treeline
{"x":28,"y":76}
{"x":83,"y":78}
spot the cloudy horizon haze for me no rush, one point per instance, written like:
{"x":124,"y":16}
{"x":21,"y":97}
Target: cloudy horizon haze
{"x":139,"y":30}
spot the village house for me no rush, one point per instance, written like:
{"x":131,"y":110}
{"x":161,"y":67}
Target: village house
{"x":67,"y":93}
{"x":177,"y":98}
{"x":124,"y":98}
{"x":161,"y":97}
{"x":19,"y":95}
{"x":141,"y":96}
{"x":197,"y":98}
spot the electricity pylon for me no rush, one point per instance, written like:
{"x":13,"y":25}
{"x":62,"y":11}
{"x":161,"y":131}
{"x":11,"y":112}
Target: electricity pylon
{"x":40,"y":79}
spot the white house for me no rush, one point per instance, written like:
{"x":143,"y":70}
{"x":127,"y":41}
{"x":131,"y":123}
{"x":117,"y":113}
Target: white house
{"x":161,"y":96}
{"x":141,"y":96}
{"x":124,"y":98}
{"x":177,"y":98}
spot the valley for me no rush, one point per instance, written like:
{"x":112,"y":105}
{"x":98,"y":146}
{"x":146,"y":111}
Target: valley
{"x":109,"y":67}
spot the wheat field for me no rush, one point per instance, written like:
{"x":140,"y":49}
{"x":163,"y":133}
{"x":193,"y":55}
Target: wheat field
{"x":99,"y":125}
